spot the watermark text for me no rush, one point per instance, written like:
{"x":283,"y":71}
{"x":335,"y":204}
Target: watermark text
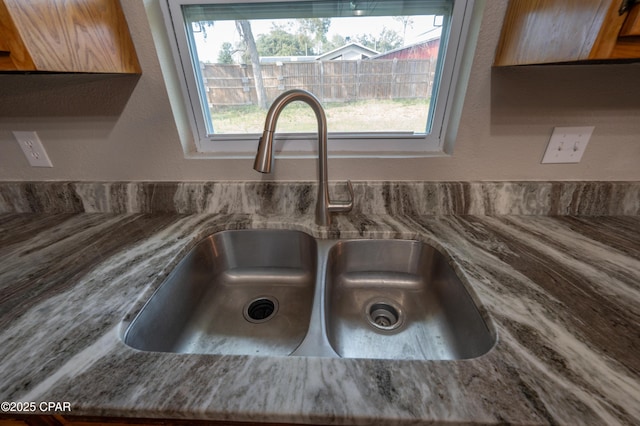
{"x":36,"y":407}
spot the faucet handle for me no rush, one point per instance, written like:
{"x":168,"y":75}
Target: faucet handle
{"x":343,"y":206}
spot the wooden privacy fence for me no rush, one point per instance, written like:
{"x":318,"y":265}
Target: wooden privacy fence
{"x":330,"y":81}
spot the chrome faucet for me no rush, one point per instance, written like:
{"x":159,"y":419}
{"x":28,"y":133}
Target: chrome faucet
{"x":264,"y":156}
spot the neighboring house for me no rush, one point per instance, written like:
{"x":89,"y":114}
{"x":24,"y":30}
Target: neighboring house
{"x":348,"y":52}
{"x":427,"y":49}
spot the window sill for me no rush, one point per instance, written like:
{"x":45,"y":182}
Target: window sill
{"x":306,"y":146}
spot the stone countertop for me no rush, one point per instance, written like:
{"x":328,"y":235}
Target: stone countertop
{"x":562,"y":293}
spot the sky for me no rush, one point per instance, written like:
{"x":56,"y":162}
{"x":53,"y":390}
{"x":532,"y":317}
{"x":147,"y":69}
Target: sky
{"x":209,"y":47}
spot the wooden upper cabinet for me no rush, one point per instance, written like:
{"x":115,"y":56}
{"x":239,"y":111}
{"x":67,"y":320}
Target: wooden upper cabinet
{"x":65,"y":36}
{"x":557,"y":31}
{"x":631,"y":27}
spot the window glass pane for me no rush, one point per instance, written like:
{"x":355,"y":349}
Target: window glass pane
{"x":374,"y":65}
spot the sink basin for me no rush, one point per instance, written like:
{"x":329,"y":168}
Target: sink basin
{"x":284,"y":293}
{"x":399,"y":299}
{"x":246,"y":292}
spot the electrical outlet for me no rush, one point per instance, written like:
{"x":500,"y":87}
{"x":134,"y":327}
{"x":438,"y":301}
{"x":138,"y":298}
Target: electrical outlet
{"x":33,"y":149}
{"x":567,"y":144}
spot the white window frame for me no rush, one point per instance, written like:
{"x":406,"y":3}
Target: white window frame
{"x":439,"y":142}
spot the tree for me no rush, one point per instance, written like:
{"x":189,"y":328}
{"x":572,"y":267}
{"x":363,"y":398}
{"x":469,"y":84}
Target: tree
{"x":387,"y":40}
{"x":279,"y":42}
{"x":406,"y":21}
{"x":300,"y":37}
{"x":201,"y":27}
{"x":244,"y":29}
{"x":336,"y":41}
{"x":316,"y":29}
{"x":226,"y":53}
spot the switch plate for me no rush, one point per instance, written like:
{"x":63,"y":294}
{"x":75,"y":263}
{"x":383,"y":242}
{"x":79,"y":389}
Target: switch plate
{"x":33,"y":149}
{"x":567,"y":144}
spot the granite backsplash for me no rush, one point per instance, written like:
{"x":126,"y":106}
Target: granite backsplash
{"x":298,"y":198}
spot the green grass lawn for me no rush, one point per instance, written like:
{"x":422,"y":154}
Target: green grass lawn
{"x":407,"y":115}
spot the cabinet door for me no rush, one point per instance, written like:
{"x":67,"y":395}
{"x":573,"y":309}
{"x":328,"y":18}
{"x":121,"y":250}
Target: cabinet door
{"x":548,"y":31}
{"x":73,"y":35}
{"x":552,"y":31}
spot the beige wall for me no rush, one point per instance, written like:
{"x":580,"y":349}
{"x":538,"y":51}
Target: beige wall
{"x":93,"y":130}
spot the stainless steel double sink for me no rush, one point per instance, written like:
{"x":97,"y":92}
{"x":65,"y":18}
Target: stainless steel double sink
{"x":285,"y":293}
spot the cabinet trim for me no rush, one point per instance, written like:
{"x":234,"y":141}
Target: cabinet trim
{"x":14,"y":53}
{"x":631,"y":27}
{"x":608,"y":35}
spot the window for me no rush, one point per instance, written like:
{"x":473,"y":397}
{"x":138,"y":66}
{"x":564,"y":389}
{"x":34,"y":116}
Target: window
{"x":387,"y":72}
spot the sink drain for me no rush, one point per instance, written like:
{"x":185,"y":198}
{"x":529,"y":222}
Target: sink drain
{"x":384,"y":316}
{"x":261,"y":309}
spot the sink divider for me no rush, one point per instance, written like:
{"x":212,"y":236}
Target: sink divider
{"x":316,"y":342}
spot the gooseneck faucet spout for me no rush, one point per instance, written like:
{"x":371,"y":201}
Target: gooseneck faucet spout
{"x":264,"y":156}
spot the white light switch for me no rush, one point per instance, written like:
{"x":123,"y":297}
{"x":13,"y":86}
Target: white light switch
{"x":567,"y":144}
{"x":33,"y":149}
